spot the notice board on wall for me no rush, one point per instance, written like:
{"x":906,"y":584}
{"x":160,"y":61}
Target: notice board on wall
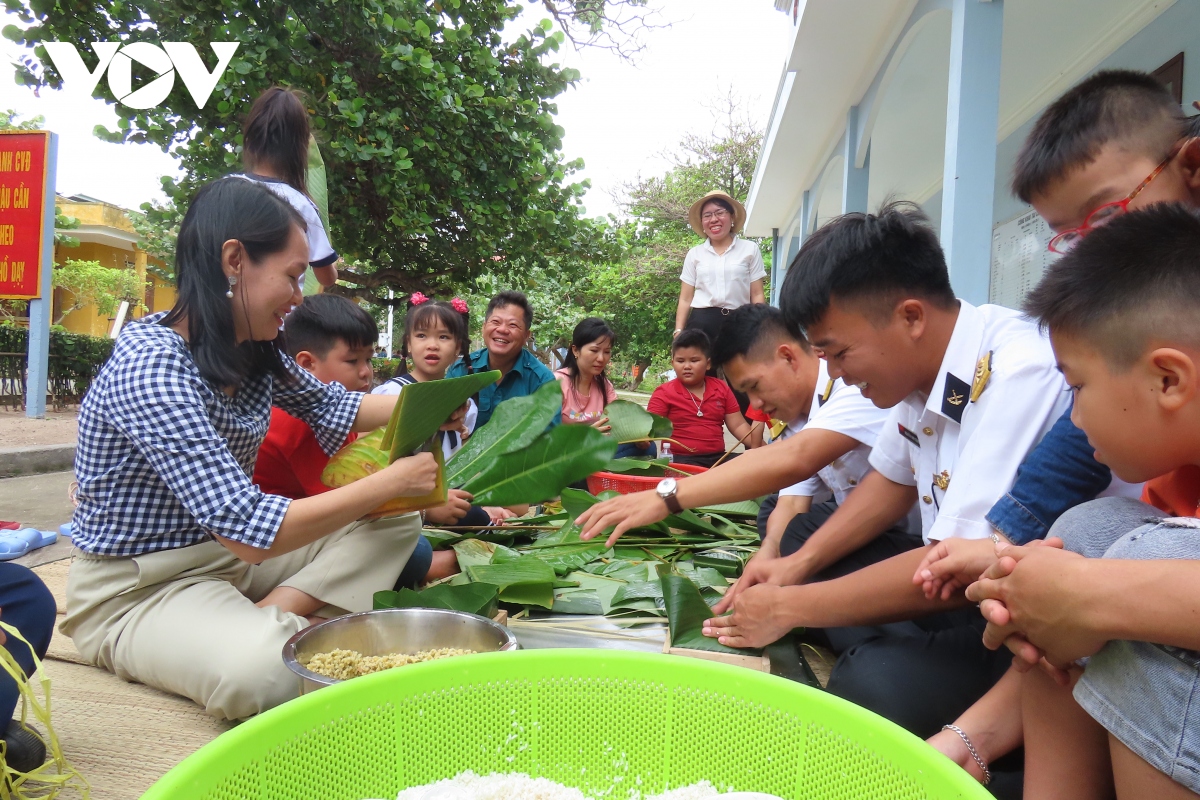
{"x":1019,"y":257}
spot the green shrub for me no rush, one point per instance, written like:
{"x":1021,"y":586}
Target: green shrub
{"x":75,"y":360}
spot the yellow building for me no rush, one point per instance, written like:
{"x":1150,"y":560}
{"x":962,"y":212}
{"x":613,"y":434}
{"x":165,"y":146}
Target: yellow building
{"x":106,"y":235}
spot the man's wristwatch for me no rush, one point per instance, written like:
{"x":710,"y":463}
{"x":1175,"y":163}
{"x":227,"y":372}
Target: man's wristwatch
{"x":666,"y":490}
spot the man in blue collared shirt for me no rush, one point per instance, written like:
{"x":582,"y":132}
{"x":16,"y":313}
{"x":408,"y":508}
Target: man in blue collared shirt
{"x":506,"y":328}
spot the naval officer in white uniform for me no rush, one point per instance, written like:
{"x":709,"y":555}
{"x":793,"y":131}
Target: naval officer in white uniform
{"x":971,"y":391}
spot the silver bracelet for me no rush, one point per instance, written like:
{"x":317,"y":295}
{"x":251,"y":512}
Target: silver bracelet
{"x":987,"y":773}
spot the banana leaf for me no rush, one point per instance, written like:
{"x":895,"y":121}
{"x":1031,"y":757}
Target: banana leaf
{"x":366,"y":456}
{"x":605,"y":588}
{"x":641,"y":590}
{"x":577,"y":501}
{"x":440,"y":539}
{"x":724,"y":561}
{"x":556,"y":459}
{"x":476,"y":552}
{"x":424,"y":407}
{"x":568,"y":558}
{"x":318,"y":189}
{"x":473,"y":598}
{"x":687,"y":521}
{"x":514,"y":425}
{"x":686,"y":613}
{"x":577,"y":601}
{"x":706,"y":578}
{"x":631,"y":423}
{"x":527,"y":580}
{"x":746,"y":508}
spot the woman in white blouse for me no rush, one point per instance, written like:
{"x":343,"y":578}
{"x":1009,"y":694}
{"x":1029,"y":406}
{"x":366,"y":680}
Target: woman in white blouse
{"x":722,"y":273}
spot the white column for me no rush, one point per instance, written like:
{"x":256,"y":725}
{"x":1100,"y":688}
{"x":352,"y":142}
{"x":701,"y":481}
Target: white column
{"x":972,"y":114}
{"x":854,"y":178}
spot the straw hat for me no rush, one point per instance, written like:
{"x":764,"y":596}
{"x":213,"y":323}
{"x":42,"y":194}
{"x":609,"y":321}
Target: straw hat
{"x":739,"y":212}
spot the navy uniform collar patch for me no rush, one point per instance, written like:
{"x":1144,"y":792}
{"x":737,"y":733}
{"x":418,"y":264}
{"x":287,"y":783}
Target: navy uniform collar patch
{"x":824,"y":398}
{"x":954,"y":400}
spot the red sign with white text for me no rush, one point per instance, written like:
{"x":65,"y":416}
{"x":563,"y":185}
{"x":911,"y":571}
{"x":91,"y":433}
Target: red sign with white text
{"x":22,"y":201}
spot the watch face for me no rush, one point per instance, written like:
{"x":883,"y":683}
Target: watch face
{"x":666,"y":487}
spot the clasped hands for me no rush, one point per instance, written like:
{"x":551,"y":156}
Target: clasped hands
{"x":1030,"y":596}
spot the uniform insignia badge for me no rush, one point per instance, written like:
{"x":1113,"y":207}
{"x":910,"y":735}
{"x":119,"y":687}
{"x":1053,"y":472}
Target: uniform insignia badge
{"x":955,"y":397}
{"x":983,"y":374}
{"x":907,"y":434}
{"x":824,"y":398}
{"x":942,"y":480}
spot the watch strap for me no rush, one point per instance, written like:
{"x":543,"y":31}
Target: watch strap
{"x":672,"y":503}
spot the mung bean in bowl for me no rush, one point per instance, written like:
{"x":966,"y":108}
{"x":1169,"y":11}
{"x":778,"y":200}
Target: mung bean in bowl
{"x":383,"y":638}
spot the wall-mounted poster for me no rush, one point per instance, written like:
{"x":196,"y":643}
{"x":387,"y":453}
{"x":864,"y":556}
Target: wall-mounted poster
{"x":1019,"y":257}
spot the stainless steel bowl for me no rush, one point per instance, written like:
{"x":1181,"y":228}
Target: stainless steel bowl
{"x":392,"y":630}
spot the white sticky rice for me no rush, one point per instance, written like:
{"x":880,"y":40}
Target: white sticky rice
{"x":518,"y":786}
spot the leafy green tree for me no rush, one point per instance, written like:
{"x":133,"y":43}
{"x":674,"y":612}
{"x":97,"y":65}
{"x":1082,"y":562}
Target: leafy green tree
{"x":639,"y":291}
{"x":157,"y":225}
{"x":438,"y":133}
{"x":90,"y":283}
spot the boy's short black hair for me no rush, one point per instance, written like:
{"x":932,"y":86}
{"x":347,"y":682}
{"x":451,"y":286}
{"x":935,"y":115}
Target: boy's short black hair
{"x":692,"y":337}
{"x":511,"y":298}
{"x":1133,"y":108}
{"x":1129,"y":283}
{"x":318,"y":323}
{"x":875,"y":260}
{"x":747,"y":327}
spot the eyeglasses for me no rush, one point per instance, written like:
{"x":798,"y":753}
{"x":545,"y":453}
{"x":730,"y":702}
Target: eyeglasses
{"x":711,"y":215}
{"x":1106,"y":213}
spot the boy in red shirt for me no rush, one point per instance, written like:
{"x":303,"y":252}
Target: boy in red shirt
{"x":698,"y":406}
{"x":334,"y":339}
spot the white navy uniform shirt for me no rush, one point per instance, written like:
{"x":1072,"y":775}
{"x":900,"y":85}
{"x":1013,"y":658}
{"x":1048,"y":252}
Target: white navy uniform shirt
{"x":841,"y":408}
{"x":962,"y":454}
{"x":723,"y":281}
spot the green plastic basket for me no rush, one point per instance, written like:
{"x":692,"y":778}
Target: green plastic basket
{"x":608,"y":722}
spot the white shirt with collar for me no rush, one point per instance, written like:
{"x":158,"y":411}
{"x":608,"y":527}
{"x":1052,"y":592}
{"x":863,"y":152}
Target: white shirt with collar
{"x":841,"y":408}
{"x":961,"y":453}
{"x":723,"y":281}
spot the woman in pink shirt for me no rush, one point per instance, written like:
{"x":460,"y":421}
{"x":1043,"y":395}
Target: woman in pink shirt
{"x":586,"y":388}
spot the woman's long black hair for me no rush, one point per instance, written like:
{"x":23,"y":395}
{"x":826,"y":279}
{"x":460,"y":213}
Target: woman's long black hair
{"x":229,"y":208}
{"x":589,"y":329}
{"x":422,"y":316}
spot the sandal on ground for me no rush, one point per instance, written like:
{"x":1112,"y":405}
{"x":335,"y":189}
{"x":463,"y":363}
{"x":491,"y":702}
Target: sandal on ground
{"x":14,"y":544}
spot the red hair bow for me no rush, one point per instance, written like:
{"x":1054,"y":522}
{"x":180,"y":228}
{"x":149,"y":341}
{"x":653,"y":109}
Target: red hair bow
{"x":417,"y":299}
{"x":460,"y":305}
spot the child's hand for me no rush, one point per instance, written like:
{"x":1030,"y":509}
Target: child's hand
{"x":457,"y":421}
{"x":953,"y":564}
{"x":413,"y":476}
{"x":602,"y":425}
{"x":458,"y":503}
{"x":498,"y":514}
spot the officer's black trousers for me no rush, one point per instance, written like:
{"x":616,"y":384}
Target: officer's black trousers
{"x":920,"y":674}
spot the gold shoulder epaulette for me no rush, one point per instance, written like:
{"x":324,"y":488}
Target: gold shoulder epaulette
{"x":983,"y":373}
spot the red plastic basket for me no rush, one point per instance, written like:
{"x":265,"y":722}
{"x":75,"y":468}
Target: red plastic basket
{"x":628,"y":484}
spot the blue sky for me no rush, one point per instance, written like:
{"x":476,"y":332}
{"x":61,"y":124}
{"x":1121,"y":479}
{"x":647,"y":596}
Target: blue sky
{"x":619,"y":118}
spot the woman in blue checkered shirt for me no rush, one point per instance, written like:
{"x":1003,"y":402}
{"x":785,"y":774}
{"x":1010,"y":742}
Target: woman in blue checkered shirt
{"x":191,"y":579}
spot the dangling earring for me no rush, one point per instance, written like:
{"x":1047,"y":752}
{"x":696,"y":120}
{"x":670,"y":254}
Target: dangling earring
{"x":232,"y":283}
